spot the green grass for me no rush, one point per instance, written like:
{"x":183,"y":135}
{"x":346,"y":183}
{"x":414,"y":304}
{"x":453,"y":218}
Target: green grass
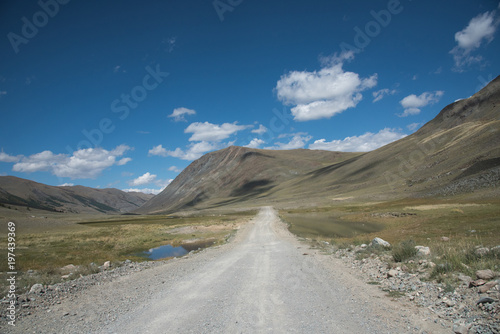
{"x":326,"y":225}
{"x":403,"y":251}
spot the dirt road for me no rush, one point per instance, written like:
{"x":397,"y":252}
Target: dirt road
{"x":264,"y":281}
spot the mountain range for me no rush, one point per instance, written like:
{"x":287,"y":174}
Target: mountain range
{"x":73,"y":199}
{"x":455,"y":154}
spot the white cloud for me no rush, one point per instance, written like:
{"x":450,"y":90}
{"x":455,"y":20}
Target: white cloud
{"x":118,"y":68}
{"x":212,"y":132}
{"x":123,"y":161}
{"x":261,"y":130}
{"x":413,"y":126}
{"x":299,"y":140}
{"x":323,"y":93}
{"x":143,"y":179}
{"x":144,"y":190}
{"x":380,"y":94}
{"x":480,"y":28}
{"x":4,"y":157}
{"x":193,"y":152}
{"x":179,"y":114}
{"x":412,"y":103}
{"x":175,"y":169}
{"x":158,"y":150}
{"x":364,"y":143}
{"x":83,"y":164}
{"x":255,"y":143}
{"x":2,"y":93}
{"x":66,"y":185}
{"x":162,"y":184}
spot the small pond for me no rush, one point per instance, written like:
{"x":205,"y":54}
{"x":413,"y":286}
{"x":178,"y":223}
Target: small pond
{"x":165,"y":251}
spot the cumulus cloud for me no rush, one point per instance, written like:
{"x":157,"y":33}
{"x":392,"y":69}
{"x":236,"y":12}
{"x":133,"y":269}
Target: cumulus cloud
{"x":413,"y":126}
{"x":261,"y":130}
{"x":480,"y":29}
{"x":175,"y":169}
{"x":323,"y":93}
{"x":4,"y":157}
{"x":364,"y":143}
{"x":255,"y":143}
{"x":145,"y":190}
{"x":123,"y":161}
{"x":212,"y":132}
{"x":193,"y":152}
{"x":298,"y":140}
{"x":179,"y":114}
{"x":159,"y":151}
{"x":413,"y":103}
{"x":380,"y":94}
{"x":83,"y":164}
{"x":148,"y":178}
{"x":143,"y":179}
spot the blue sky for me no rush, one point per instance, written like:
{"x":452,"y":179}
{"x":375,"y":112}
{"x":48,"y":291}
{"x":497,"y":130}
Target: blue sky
{"x":127,"y":94}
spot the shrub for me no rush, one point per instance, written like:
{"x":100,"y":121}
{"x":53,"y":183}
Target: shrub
{"x":404,"y":250}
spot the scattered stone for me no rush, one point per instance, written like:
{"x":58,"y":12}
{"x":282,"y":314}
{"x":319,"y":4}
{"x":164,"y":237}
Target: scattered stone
{"x":482,"y":251}
{"x":392,"y":273}
{"x":445,"y":239}
{"x":364,"y":246}
{"x":423,"y":251}
{"x":127,"y":261}
{"x":477,"y":282}
{"x":380,"y":242}
{"x":485,"y":274}
{"x":69,"y":268}
{"x":106,"y":265}
{"x":448,"y":302}
{"x":461,"y":329}
{"x":65,"y":276}
{"x":36,"y":288}
{"x":485,"y":300}
{"x":484,"y":288}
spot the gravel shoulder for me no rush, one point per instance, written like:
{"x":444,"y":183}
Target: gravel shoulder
{"x":264,"y":280}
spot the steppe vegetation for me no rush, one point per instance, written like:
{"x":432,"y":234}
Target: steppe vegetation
{"x":459,"y":234}
{"x":41,"y":255}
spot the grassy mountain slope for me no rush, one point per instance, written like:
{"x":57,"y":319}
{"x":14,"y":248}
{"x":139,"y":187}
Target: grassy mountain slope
{"x":77,"y":199}
{"x":236,"y":175}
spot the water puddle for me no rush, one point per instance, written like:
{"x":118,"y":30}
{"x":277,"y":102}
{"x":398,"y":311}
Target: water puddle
{"x":166,"y":251}
{"x":163,"y":252}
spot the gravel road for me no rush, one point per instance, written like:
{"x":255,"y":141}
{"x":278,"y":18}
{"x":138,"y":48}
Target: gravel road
{"x":263,"y":281}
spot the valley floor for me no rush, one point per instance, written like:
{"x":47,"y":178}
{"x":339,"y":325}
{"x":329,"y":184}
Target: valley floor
{"x":264,"y":280}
